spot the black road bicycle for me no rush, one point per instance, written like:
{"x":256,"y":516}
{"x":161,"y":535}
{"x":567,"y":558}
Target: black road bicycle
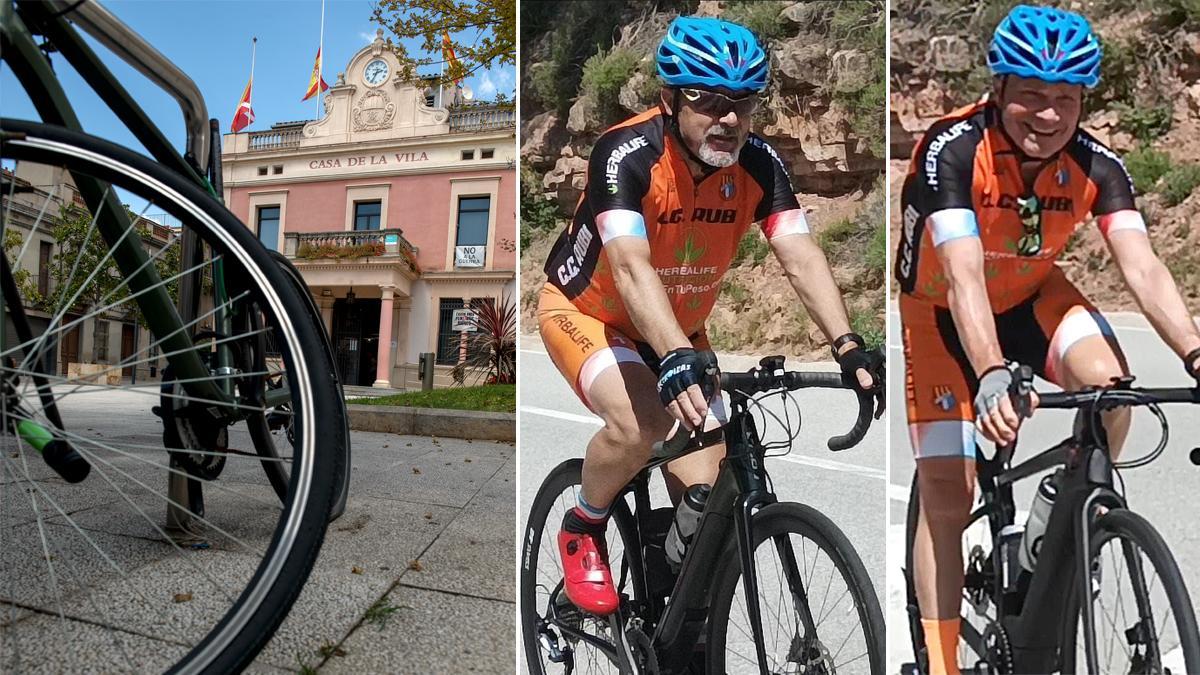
{"x":243,"y":444}
{"x":807,"y":606}
{"x":1121,"y":608}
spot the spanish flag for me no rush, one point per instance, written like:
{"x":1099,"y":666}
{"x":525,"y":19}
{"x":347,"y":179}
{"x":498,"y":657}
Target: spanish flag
{"x":316,"y":83}
{"x":244,"y":114}
{"x":448,"y":56}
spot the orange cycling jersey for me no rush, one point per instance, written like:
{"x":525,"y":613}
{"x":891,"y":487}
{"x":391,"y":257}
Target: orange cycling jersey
{"x":965,"y":180}
{"x":639,"y":185}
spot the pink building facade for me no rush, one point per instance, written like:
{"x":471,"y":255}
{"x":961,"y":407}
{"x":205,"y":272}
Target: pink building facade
{"x":396,"y":212}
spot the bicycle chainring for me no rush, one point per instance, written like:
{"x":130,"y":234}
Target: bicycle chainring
{"x":180,"y":432}
{"x":999,"y":657}
{"x":641,"y":647}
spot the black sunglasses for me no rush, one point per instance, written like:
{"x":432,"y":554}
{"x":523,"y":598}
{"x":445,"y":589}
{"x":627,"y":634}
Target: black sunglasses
{"x":719,"y":105}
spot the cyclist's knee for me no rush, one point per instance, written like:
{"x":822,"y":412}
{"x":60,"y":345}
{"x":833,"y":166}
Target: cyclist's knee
{"x":1090,"y":362}
{"x":633,"y":433}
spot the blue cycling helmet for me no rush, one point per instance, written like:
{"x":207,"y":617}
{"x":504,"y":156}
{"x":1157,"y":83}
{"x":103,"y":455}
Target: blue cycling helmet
{"x":710,"y":53}
{"x":1048,"y":44}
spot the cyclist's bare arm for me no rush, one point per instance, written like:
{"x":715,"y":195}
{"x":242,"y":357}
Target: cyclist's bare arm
{"x":1154,"y":289}
{"x":962,"y":261}
{"x":650,"y":310}
{"x":808,"y":271}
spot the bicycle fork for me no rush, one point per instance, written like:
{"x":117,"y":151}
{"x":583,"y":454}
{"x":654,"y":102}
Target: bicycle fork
{"x":755,"y":494}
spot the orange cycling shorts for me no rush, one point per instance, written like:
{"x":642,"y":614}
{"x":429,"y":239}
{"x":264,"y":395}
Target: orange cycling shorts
{"x":583,"y":346}
{"x":940,"y":384}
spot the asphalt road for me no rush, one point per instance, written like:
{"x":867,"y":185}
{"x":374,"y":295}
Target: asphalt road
{"x":847,"y":486}
{"x":1164,"y":492}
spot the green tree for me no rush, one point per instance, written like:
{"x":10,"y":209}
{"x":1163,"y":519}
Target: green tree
{"x":73,"y":244}
{"x":490,"y":27}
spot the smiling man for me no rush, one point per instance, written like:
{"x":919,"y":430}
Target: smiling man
{"x":993,"y":194}
{"x":633,"y":278}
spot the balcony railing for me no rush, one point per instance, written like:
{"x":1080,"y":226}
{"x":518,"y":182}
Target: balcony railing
{"x":352,"y":244}
{"x":481,"y":118}
{"x":275,"y":139}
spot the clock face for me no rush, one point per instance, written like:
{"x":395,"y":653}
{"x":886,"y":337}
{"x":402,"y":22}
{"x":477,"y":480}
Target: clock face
{"x":376,"y":72}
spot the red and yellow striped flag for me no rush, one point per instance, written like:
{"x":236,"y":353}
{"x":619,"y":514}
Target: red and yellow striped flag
{"x":316,"y":83}
{"x":448,"y":56}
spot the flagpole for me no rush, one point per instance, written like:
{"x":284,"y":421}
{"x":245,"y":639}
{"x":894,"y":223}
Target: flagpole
{"x":253,"y":49}
{"x":321,"y":59}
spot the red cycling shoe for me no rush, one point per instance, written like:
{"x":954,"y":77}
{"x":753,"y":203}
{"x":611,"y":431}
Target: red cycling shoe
{"x":586,"y":577}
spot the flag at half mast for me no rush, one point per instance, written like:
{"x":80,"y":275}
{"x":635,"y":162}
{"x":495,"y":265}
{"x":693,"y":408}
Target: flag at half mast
{"x":316,"y":83}
{"x":244,"y":115}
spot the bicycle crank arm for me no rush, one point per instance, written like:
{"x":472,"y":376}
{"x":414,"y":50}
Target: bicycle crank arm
{"x":58,"y":454}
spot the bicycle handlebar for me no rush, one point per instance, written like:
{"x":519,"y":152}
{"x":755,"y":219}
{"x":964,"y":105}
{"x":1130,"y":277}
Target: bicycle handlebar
{"x":761,"y":380}
{"x":1119,"y":395}
{"x":769,"y":375}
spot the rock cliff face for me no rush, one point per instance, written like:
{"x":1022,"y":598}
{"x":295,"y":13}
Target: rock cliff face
{"x":1146,"y":108}
{"x":824,"y":71}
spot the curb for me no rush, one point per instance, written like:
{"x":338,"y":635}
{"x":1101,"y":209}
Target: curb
{"x":470,"y":424}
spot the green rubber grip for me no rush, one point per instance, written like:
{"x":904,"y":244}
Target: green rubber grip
{"x":34,"y":434}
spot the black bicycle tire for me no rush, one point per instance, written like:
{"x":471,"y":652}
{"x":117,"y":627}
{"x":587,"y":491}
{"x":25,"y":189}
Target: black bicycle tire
{"x":1126,"y":523}
{"x":788,"y":518}
{"x":63,"y":147}
{"x":259,"y":428}
{"x":563,"y":476}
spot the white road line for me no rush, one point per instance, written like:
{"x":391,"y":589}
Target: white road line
{"x":831,"y":465}
{"x":532,"y":351}
{"x":546,"y":412}
{"x":898,"y":493}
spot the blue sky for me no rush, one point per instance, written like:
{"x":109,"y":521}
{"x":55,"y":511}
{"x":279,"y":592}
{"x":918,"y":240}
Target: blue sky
{"x":210,"y":41}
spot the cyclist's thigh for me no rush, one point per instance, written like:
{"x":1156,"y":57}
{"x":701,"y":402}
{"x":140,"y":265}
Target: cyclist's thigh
{"x":604,"y":369}
{"x":1081,"y":347}
{"x":939,"y":385}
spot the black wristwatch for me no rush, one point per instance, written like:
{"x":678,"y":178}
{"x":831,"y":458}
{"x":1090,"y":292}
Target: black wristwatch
{"x":848,"y":337}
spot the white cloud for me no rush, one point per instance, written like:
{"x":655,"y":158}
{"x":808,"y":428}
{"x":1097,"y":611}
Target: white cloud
{"x":487,"y":88}
{"x":367,"y":37}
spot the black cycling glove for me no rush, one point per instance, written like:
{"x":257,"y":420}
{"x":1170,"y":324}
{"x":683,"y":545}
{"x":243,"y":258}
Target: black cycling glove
{"x":857,"y":359}
{"x":683,"y":367}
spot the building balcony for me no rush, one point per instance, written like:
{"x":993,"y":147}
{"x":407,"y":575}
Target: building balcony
{"x":275,"y":139}
{"x":384,"y":246}
{"x":482,"y":117}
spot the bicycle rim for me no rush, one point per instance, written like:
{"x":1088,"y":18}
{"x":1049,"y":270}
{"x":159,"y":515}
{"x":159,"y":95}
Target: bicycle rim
{"x":818,"y":608}
{"x":1143,"y":619}
{"x":546,"y":614}
{"x":135,"y":576}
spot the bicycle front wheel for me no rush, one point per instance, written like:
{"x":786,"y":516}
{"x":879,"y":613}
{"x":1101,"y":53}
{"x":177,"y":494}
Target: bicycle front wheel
{"x":92,"y":575}
{"x":1143,"y":619}
{"x":819,"y":610}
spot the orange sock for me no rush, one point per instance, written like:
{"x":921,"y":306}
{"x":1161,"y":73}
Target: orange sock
{"x":941,"y":643}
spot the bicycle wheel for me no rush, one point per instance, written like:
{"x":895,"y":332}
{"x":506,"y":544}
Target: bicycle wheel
{"x":273,"y":429}
{"x":978,"y":611}
{"x":819,"y":609}
{"x":1143,"y":616}
{"x":92,"y":563}
{"x":557,"y":637}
